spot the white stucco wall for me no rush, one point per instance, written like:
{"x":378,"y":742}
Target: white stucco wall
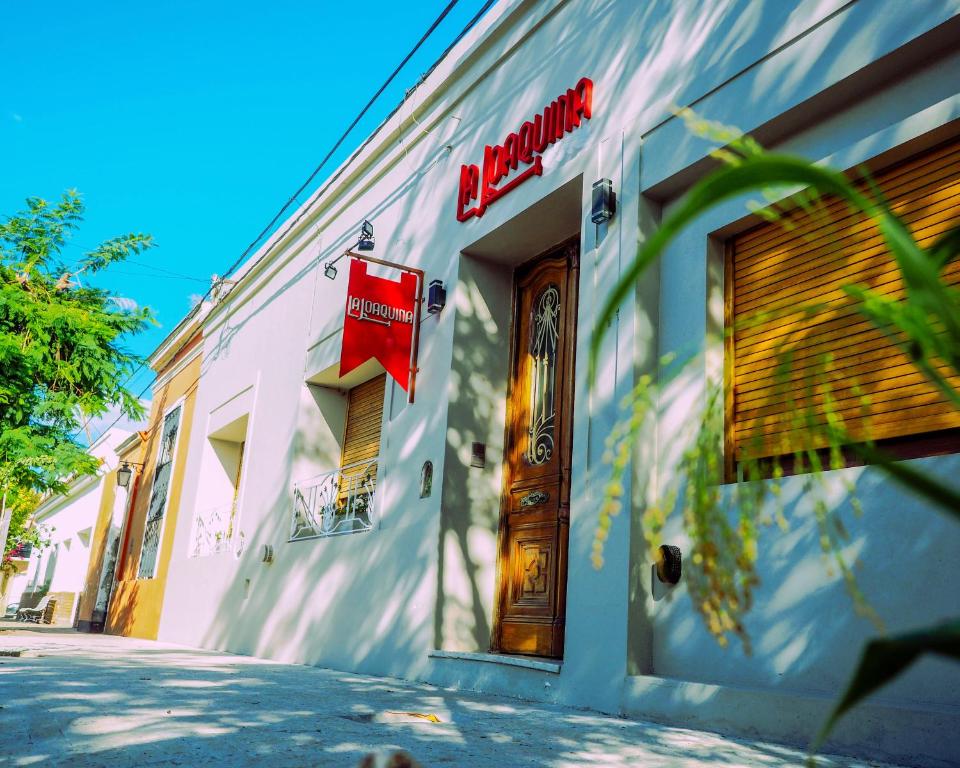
{"x":840,"y":82}
{"x":71,"y":519}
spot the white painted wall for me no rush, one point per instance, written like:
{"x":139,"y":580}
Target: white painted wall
{"x":841,"y":82}
{"x":72,"y":519}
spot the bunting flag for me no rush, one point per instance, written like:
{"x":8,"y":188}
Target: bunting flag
{"x":379,"y":322}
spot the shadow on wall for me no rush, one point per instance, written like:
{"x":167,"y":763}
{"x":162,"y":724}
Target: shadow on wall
{"x":360,"y":601}
{"x":377,"y":601}
{"x":806,"y":631}
{"x":364,"y":601}
{"x":469,"y":518}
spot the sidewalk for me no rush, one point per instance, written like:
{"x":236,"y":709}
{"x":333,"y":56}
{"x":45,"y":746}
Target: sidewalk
{"x":72,"y":699}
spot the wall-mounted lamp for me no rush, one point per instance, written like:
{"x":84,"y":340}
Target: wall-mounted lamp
{"x":125,"y":472}
{"x":366,"y":241}
{"x":436,"y":297}
{"x":478,"y":455}
{"x":604,"y":201}
{"x":669,"y":563}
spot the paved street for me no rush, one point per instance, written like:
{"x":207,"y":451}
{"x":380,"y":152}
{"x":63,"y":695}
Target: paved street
{"x":91,"y":700}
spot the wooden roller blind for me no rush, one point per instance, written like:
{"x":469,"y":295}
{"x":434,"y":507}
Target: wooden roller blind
{"x":361,"y":441}
{"x":774,"y":271}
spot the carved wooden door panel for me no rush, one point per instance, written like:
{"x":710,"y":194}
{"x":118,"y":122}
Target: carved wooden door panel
{"x":535,"y":510}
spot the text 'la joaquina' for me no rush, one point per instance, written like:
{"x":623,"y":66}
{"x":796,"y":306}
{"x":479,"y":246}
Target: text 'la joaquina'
{"x":522,"y":147}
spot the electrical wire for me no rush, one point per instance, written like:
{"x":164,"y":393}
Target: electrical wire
{"x":319,"y":195}
{"x":158,"y":277}
{"x":330,"y":182}
{"x":163,"y":270}
{"x":343,"y":137}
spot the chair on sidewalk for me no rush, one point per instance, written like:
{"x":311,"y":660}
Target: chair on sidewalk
{"x":42,"y":613}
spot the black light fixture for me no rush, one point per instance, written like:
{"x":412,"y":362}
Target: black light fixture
{"x":366,"y":240}
{"x":604,"y":201}
{"x":125,"y":472}
{"x":669,"y":564}
{"x":478,"y":455}
{"x":436,"y":297}
{"x":364,"y":243}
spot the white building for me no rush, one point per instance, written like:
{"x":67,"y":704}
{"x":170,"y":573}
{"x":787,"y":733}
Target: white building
{"x":60,"y":570}
{"x":412,"y":590}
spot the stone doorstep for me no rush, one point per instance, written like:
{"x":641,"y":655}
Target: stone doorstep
{"x":524,"y":662}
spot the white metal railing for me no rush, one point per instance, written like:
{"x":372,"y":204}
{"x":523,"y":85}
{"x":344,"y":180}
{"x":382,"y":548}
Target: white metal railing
{"x":342,"y":501}
{"x":213,"y":530}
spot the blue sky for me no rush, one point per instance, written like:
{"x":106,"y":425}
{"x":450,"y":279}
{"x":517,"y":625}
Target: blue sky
{"x":193,"y":121}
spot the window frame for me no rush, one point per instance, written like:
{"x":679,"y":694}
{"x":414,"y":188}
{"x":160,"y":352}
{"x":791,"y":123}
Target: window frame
{"x":179,"y":403}
{"x":920,"y":445}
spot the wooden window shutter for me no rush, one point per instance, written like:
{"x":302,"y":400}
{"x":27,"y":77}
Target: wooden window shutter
{"x":773,"y":269}
{"x":361,"y":440}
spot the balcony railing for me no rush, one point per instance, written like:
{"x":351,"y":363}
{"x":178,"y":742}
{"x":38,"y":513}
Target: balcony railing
{"x":338,"y":502}
{"x":213,"y":531}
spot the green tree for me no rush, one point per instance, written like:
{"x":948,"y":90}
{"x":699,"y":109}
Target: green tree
{"x":723,"y":527}
{"x":62,"y":350}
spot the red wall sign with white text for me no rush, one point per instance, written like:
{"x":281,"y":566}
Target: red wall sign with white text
{"x":379,"y":322}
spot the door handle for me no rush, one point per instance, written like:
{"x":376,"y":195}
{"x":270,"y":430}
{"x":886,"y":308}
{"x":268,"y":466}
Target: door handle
{"x":534,"y":498}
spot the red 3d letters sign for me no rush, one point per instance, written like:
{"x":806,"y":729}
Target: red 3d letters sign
{"x":379,"y":322}
{"x":478,"y":189}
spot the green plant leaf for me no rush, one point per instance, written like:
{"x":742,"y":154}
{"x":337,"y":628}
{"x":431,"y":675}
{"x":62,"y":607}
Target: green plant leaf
{"x":754,"y":172}
{"x":946,"y":249}
{"x":944,"y":498}
{"x":884,"y":659}
{"x":63,"y":354}
{"x":908,"y":326}
{"x":921,"y":274}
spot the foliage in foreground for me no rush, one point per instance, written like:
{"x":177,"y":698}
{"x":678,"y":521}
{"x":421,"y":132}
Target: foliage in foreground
{"x":61,"y":349}
{"x":723,"y":523}
{"x":22,"y":530}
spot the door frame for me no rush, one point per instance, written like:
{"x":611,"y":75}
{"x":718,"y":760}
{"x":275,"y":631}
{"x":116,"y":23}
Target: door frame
{"x":570,"y":247}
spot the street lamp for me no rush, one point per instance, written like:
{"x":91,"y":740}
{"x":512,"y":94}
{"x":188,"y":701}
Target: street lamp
{"x":125,"y":472}
{"x":366,"y":241}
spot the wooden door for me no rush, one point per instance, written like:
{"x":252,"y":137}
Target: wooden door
{"x":535,"y":509}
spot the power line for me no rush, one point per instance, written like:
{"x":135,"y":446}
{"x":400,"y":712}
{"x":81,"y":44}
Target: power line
{"x":343,"y":137}
{"x":330,"y":182}
{"x":160,"y":277}
{"x":293,"y":198}
{"x":133,"y":374}
{"x":165,"y":271}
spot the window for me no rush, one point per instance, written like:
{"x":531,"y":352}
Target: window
{"x":361,"y":443}
{"x":773,"y":271}
{"x":342,"y":500}
{"x":361,"y":437}
{"x":156,"y":510}
{"x":216,"y":518}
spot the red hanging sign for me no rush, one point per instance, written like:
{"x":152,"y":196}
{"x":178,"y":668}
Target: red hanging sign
{"x":524,"y":146}
{"x":380,"y":323}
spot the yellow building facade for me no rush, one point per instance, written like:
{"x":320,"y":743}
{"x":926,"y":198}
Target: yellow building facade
{"x":146,"y":541}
